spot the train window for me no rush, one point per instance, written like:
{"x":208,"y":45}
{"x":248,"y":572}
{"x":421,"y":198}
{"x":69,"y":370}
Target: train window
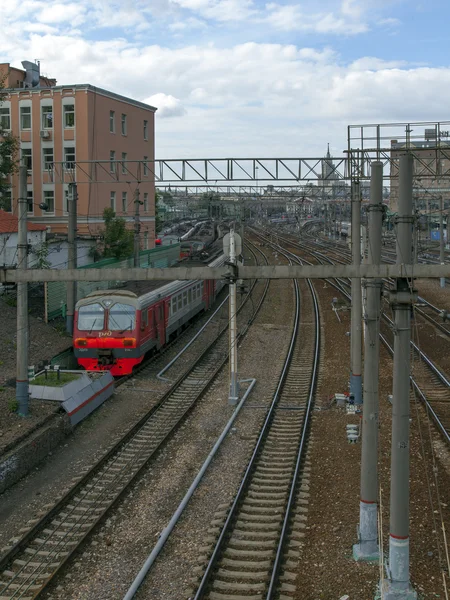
{"x":189,"y":295}
{"x":91,"y":317}
{"x":184,"y":298}
{"x":144,"y":319}
{"x":174,"y":305}
{"x":180,"y":302}
{"x":122,"y":317}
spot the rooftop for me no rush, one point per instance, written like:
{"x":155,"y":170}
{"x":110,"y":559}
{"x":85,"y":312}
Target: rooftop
{"x":9,"y":223}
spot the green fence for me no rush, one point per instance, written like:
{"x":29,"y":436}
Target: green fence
{"x":55,"y":291}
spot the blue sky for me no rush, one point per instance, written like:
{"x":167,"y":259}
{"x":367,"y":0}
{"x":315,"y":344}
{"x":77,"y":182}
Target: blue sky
{"x":245,"y":77}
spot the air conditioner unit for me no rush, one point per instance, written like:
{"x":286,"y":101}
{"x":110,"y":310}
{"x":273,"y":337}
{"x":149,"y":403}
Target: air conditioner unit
{"x":45,"y":134}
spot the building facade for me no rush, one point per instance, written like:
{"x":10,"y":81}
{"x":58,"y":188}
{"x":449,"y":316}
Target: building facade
{"x":80,"y":133}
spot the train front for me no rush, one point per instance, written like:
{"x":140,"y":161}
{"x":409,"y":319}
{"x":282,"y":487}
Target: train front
{"x":106,"y":333}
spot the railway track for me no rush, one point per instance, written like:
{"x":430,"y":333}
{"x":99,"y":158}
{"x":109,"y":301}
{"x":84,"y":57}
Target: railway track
{"x":267,"y":514}
{"x":428,"y":381}
{"x":47,"y":543}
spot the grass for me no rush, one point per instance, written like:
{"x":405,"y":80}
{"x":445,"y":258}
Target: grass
{"x":53,"y":380}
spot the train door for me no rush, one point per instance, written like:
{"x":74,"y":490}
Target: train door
{"x":160,"y":324}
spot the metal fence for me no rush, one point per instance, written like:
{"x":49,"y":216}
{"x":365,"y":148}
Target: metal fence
{"x":55,"y":291}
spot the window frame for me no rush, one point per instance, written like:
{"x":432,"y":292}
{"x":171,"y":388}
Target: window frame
{"x":112,"y":200}
{"x":146,"y":130}
{"x":29,"y":159}
{"x":30,"y":196}
{"x":66,"y":113}
{"x":21,"y":115}
{"x":145,"y":173}
{"x":112,"y":161}
{"x":46,"y":162}
{"x":145,"y":201}
{"x":123,"y":123}
{"x":87,"y":306}
{"x":5,"y":112}
{"x":44,"y":196}
{"x":124,"y":160}
{"x":46,"y":116}
{"x":112,"y":121}
{"x":69,"y":164}
{"x":125,"y":202}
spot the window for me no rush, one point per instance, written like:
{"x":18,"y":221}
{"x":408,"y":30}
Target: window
{"x":144,"y":321}
{"x":6,"y":200}
{"x":124,"y":124}
{"x":5,"y":118}
{"x":49,"y":200}
{"x":174,"y":305}
{"x":189,"y":295}
{"x":69,"y":115}
{"x":184,"y":298}
{"x":47,"y":162}
{"x":25,"y":117}
{"x":145,"y":130}
{"x":122,"y":317}
{"x":180,"y":302}
{"x":91,"y":317}
{"x":25,"y":155}
{"x":47,"y":117}
{"x":124,"y":163}
{"x":69,"y":157}
{"x":112,"y":121}
{"x":112,"y":200}
{"x":112,"y":161}
{"x":145,"y":165}
{"x":124,"y":202}
{"x":30,"y":207}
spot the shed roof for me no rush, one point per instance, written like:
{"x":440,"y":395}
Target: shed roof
{"x":9,"y":223}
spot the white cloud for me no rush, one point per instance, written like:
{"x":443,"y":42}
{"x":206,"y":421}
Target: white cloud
{"x":292,"y":17}
{"x":60,"y":13}
{"x":167,"y":105}
{"x":220,"y":10}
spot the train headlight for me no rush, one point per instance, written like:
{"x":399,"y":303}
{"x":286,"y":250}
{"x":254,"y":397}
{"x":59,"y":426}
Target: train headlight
{"x":81,"y":342}
{"x":129,"y":342}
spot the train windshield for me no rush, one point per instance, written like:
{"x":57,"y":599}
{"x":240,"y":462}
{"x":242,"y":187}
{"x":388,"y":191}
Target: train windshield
{"x":122,"y":317}
{"x":91,"y":317}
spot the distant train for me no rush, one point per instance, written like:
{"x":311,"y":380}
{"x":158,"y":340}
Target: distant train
{"x":115,"y":329}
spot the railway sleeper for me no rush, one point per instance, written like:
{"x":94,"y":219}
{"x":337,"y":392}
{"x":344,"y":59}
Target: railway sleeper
{"x":20,"y":563}
{"x":274,"y":503}
{"x":219,"y":596}
{"x":248,"y":533}
{"x":24,"y":575}
{"x":257,"y":575}
{"x":244,"y":554}
{"x":256,"y":525}
{"x":238,"y":587}
{"x":267,"y":495}
{"x":237,"y":542}
{"x":236,"y":564}
{"x":18,"y":586}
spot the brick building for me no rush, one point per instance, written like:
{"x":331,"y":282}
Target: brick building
{"x":101,"y":140}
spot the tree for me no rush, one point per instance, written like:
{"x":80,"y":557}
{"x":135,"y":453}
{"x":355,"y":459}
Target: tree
{"x":9,"y":146}
{"x":117,"y":241}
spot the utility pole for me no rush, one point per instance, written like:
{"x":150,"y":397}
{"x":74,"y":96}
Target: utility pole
{"x":22,"y":298}
{"x":441,"y":238}
{"x":356,"y":315}
{"x":397,"y":586}
{"x":137,"y":228}
{"x":234,"y":383}
{"x":72,"y":254}
{"x":367,"y":548}
{"x":242,"y":219}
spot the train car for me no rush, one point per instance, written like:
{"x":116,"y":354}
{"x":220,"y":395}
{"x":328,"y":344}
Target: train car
{"x":115,"y":329}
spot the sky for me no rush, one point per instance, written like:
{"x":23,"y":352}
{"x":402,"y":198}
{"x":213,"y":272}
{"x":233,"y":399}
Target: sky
{"x":245,"y":78}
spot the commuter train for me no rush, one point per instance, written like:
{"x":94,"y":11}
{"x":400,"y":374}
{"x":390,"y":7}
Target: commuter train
{"x":115,"y":329}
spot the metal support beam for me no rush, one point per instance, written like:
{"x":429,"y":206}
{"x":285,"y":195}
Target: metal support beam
{"x":243,"y":272}
{"x":367,"y":547}
{"x":441,"y":238}
{"x":72,"y":254}
{"x":356,"y":316}
{"x":137,"y":228}
{"x":22,"y":298}
{"x":397,"y":585}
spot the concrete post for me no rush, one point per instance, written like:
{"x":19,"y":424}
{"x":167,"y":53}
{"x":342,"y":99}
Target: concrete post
{"x":397,"y":586}
{"x":242,"y":220}
{"x":72,"y":254}
{"x":22,"y":299}
{"x":441,"y":238}
{"x":367,"y":548}
{"x":137,"y":228}
{"x":234,"y":383}
{"x":356,"y":315}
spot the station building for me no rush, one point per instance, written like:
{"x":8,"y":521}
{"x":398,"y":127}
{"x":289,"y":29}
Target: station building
{"x":79,"y":133}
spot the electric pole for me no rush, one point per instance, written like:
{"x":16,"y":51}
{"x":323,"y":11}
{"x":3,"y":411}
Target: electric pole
{"x":22,"y":298}
{"x":137,"y":228}
{"x":397,"y":586}
{"x":72,"y":254}
{"x":367,"y":548}
{"x":234,"y":382}
{"x":441,"y":238}
{"x":356,"y":314}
